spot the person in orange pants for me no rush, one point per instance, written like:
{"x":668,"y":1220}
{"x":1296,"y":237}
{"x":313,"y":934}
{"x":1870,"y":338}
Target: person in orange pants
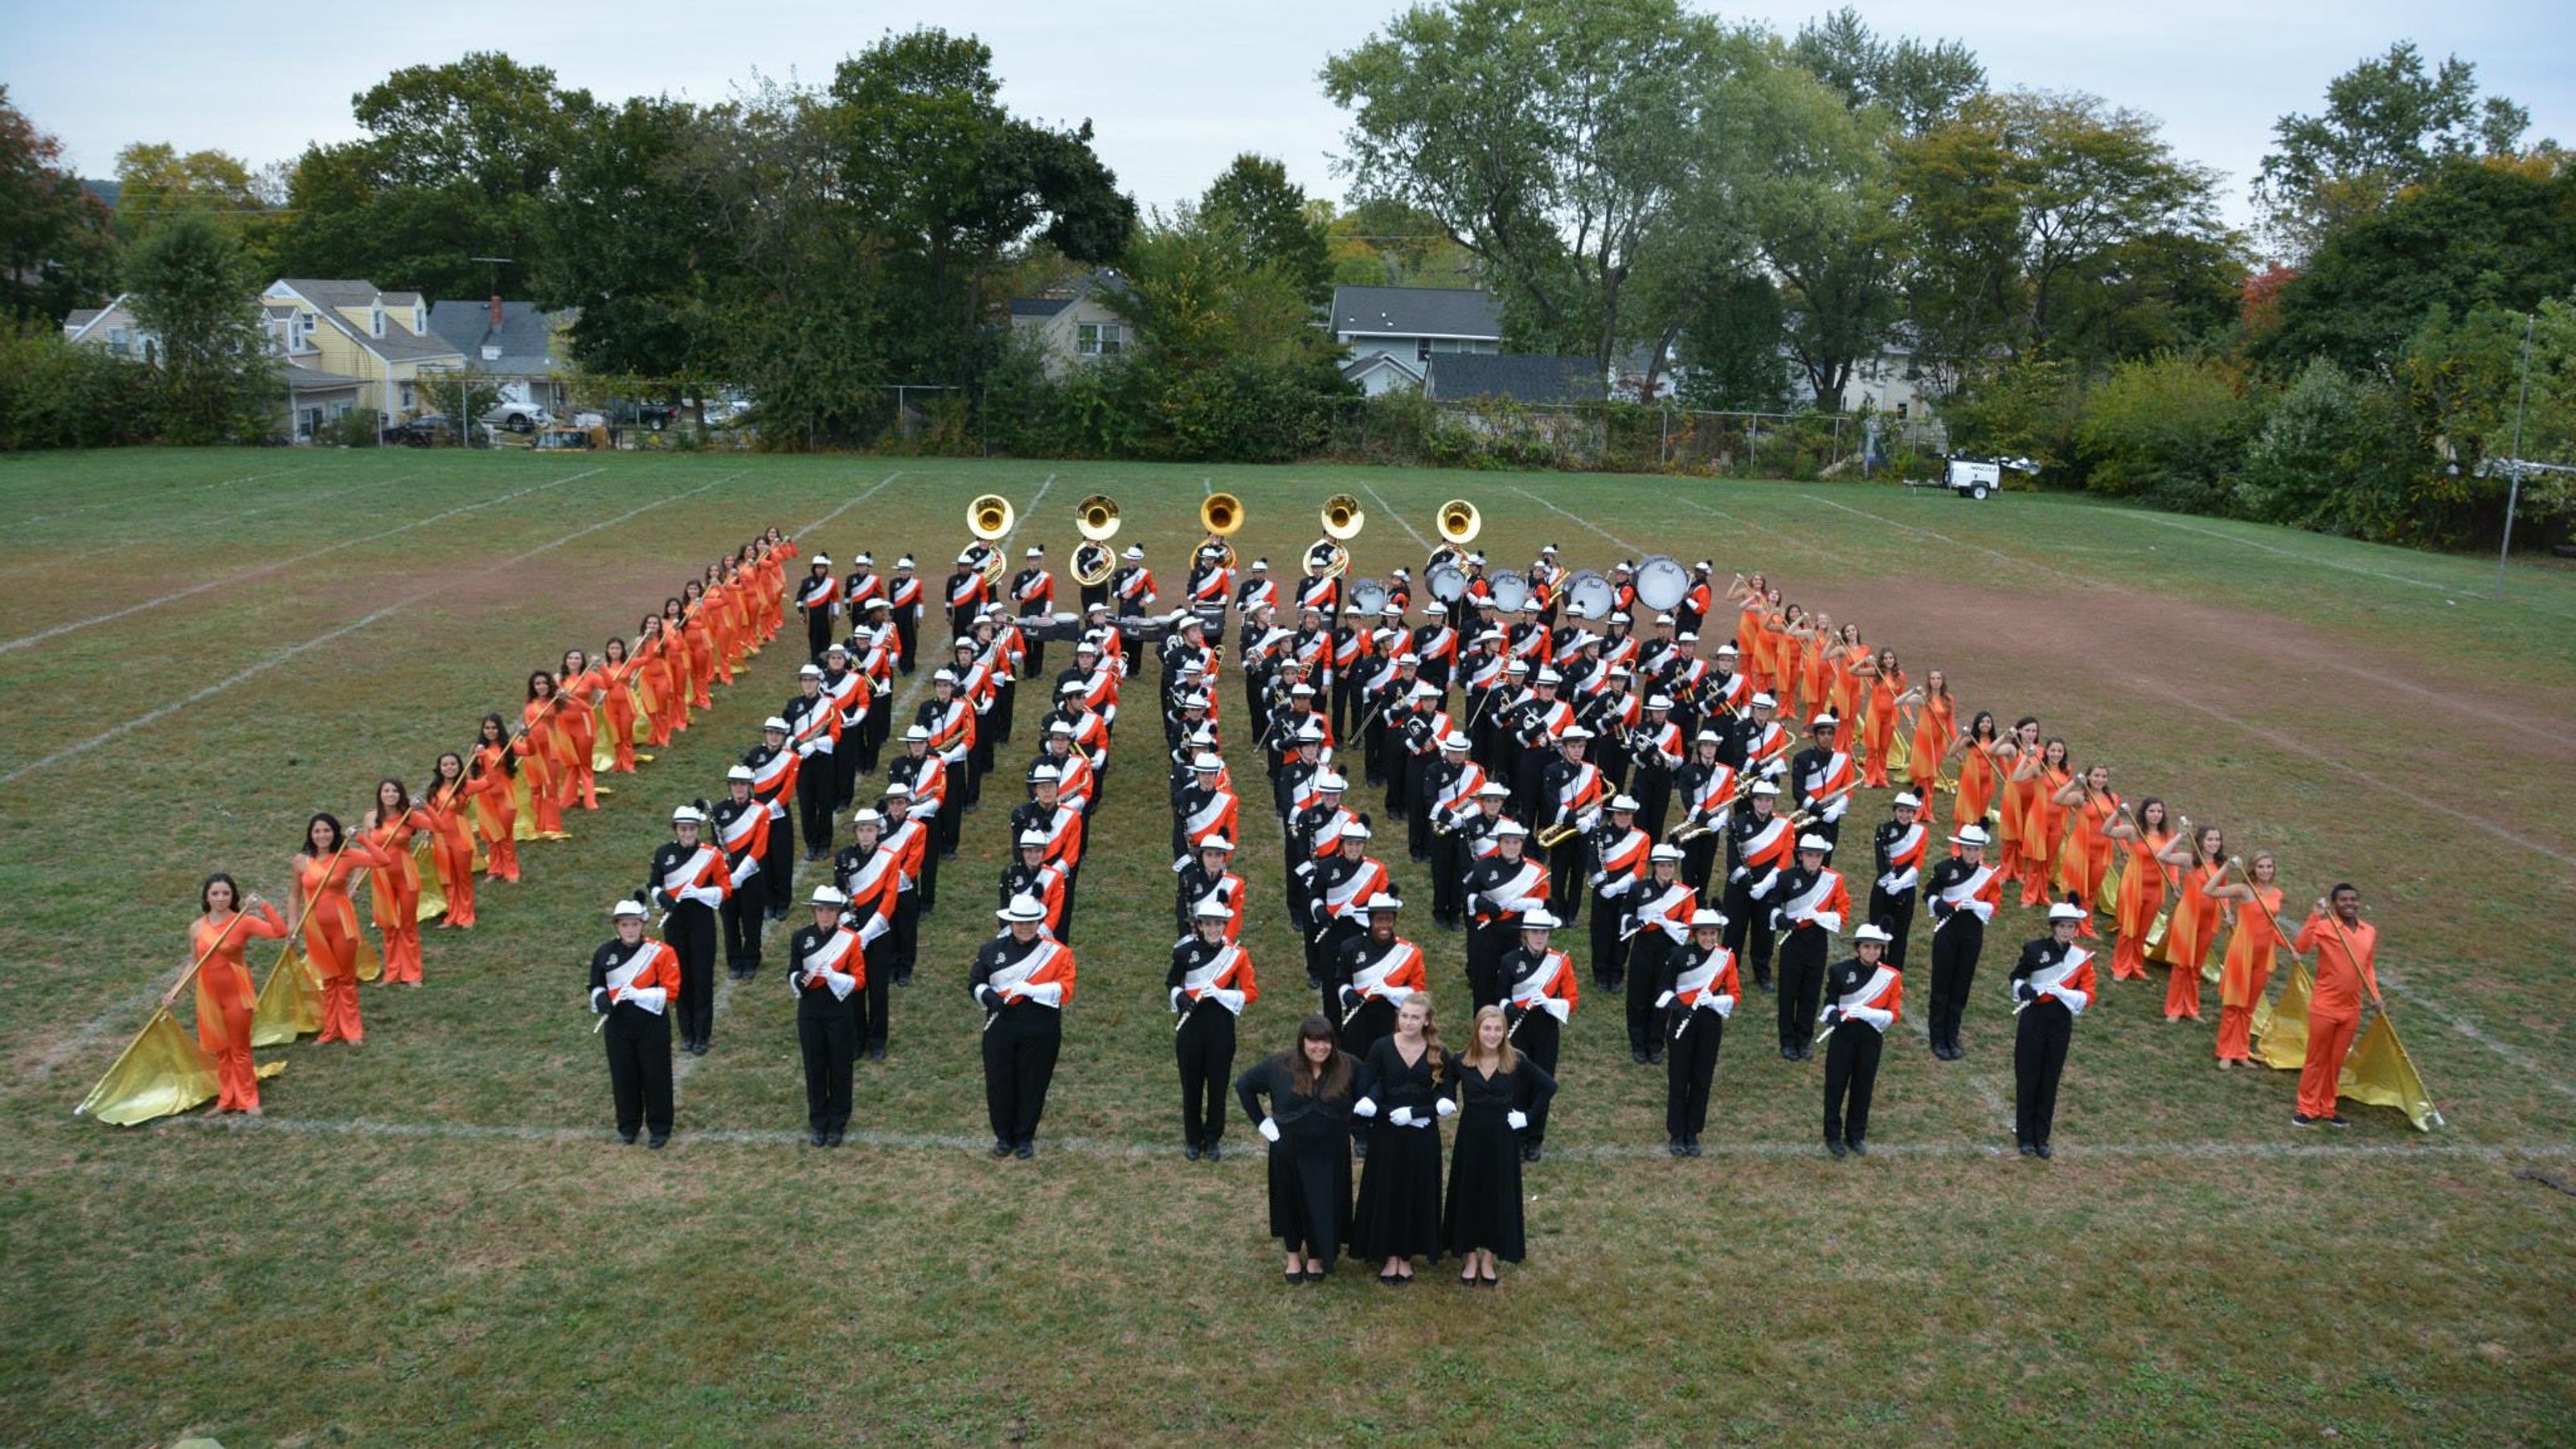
{"x":2347,"y":951}
{"x":2201,"y":857}
{"x":541,"y":745}
{"x":445,"y":810}
{"x":676,"y":648}
{"x":320,"y":897}
{"x":657,"y":685}
{"x":492,"y":780}
{"x":225,"y":998}
{"x":699,"y":630}
{"x":2250,"y":944}
{"x":2144,"y":833}
{"x":579,"y":684}
{"x":1978,"y":779}
{"x":2043,"y":830}
{"x":616,"y":672}
{"x":2084,"y":861}
{"x":394,"y":890}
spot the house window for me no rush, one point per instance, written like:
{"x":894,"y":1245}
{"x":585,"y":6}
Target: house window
{"x":118,"y":343}
{"x":1099,"y":339}
{"x":1900,"y":412}
{"x":376,"y":319}
{"x":406,"y":397}
{"x":1422,"y":350}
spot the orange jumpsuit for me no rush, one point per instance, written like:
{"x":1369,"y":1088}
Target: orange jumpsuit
{"x":394,"y":891}
{"x":2248,"y":970}
{"x":1749,"y":643}
{"x":1935,"y":726}
{"x":2085,"y":860}
{"x":2042,"y":832}
{"x":619,"y":708}
{"x":1816,"y":667}
{"x":540,"y":748}
{"x":1976,"y":788}
{"x":331,"y":932}
{"x":496,"y":814}
{"x":1878,"y":736}
{"x":225,"y":999}
{"x":451,"y":851}
{"x":2142,"y":895}
{"x":701,"y":637}
{"x":580,"y":724}
{"x":2009,"y":861}
{"x":684,"y":682}
{"x":660,"y":688}
{"x":2346,"y":962}
{"x":2188,"y":937}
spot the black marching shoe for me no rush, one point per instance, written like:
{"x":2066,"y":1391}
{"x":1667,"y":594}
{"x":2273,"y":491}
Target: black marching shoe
{"x":1690,"y":1146}
{"x":2044,"y":1150}
{"x":816,"y":1136}
{"x":1654,"y":1059}
{"x":626,"y":1138}
{"x":832,"y":1139}
{"x":1674,"y":1147}
{"x":1027,"y":1149}
{"x":1215,"y":1153}
{"x":2028,"y":1150}
{"x":1001,"y":1147}
{"x":1191,"y":1152}
{"x":1858,"y":1148}
{"x":1529,"y":1152}
{"x":657,"y":1139}
{"x":1835,"y":1146}
{"x":1636,"y":1056}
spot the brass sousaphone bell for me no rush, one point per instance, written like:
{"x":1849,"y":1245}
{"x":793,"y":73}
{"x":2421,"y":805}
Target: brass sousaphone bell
{"x":1097,"y":519}
{"x":1221,"y":514}
{"x":990,"y":518}
{"x":1343,"y":519}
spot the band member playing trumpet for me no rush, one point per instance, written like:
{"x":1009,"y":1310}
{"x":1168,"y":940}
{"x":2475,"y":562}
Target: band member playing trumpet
{"x":2052,"y":985}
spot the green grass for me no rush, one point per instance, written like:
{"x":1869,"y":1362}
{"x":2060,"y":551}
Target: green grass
{"x":435,"y":1240}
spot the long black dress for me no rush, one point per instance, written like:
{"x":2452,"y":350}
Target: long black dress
{"x":1399,"y":1211}
{"x":1485,"y":1163}
{"x":1310,"y":1164}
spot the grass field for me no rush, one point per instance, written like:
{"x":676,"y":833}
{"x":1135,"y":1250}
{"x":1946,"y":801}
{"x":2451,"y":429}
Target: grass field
{"x":437,"y":1241}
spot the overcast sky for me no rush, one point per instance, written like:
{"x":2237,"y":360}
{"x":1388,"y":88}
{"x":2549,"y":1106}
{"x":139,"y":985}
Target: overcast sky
{"x":1174,"y":89}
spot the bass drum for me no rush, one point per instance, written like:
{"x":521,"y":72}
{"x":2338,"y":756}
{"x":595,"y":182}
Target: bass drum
{"x":1447,"y":582}
{"x":1662,"y":582}
{"x":1589,"y":596}
{"x":1511,"y":590}
{"x":1368,"y":597}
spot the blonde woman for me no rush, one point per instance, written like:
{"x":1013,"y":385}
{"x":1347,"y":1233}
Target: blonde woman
{"x":1498,"y":1088}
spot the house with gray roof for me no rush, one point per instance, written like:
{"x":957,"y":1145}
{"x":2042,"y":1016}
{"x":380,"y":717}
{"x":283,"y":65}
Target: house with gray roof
{"x":514,"y":343}
{"x":1520,"y":377}
{"x":1078,"y":328}
{"x":1392,"y":333}
{"x":354,"y":329}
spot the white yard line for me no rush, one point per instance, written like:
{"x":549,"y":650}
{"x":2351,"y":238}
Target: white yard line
{"x":292,"y":651}
{"x":1953,"y":542}
{"x":846,"y":507}
{"x":1246,"y":1159}
{"x":2322,"y":563}
{"x":1400,"y":521}
{"x":1790,"y":539}
{"x":2460,"y":1025}
{"x":1586,"y":522}
{"x":200,"y":528}
{"x":30,"y":640}
{"x":120,"y":502}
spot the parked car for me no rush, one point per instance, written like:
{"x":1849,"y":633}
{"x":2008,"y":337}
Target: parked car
{"x":520,"y":417}
{"x":429,"y":430}
{"x":653,"y":417}
{"x":572,"y":440}
{"x":723,"y":408}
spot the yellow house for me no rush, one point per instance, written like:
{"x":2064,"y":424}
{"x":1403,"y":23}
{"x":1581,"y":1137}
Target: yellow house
{"x":349,"y":329}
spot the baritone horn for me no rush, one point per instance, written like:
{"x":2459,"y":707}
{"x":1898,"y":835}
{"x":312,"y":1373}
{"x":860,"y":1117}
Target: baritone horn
{"x":989,"y":517}
{"x":1459,"y":522}
{"x":1221,"y":514}
{"x":1097,"y":517}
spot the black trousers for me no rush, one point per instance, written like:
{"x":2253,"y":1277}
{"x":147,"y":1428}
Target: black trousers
{"x":1486,"y":947}
{"x":907,"y":631}
{"x":639,"y":1069}
{"x":691,"y":934}
{"x":1690,"y":1064}
{"x":1654,"y":792}
{"x":869,"y":1009}
{"x":1019,"y":1062}
{"x":1204,"y":1047}
{"x":1851,"y":1074}
{"x":1748,"y":931}
{"x":817,"y":793}
{"x":741,"y":915}
{"x":845,"y":767}
{"x":827,"y":1034}
{"x":1448,"y":876}
{"x":872,"y":735}
{"x":1536,"y":1033}
{"x":1802,"y":982}
{"x":1699,"y":860}
{"x":818,"y":633}
{"x":1896,"y":912}
{"x":1646,"y":956}
{"x":778,"y":868}
{"x":2039,"y":1058}
{"x":1955,"y":948}
{"x":1609,"y":953}
{"x":905,"y":938}
{"x":1417,"y":817}
{"x":928,"y":886}
{"x":1565,"y":879}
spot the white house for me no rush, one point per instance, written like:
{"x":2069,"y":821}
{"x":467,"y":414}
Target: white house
{"x":1077,"y":329}
{"x":1392,"y":332}
{"x":113,"y":328}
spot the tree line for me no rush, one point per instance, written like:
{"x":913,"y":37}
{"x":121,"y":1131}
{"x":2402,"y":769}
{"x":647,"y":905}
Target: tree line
{"x":1759,"y":215}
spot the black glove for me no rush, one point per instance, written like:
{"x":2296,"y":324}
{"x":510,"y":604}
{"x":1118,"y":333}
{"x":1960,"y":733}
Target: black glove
{"x":1350,"y":998}
{"x":2026,"y":991}
{"x":992,"y":999}
{"x":599,"y":1001}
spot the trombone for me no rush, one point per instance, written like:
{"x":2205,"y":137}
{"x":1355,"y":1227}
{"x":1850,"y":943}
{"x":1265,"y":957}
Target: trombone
{"x":990,"y":518}
{"x":1097,"y":519}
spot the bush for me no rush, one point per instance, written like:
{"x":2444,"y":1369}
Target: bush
{"x":355,"y":428}
{"x":2169,"y":430}
{"x":2026,"y":407}
{"x":2334,"y":454}
{"x":56,"y":395}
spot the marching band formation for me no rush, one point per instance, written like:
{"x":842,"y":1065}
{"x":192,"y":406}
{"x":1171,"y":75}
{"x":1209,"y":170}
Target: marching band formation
{"x":1531,"y":745}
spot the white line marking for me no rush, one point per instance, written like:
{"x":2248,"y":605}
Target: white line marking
{"x":199,"y":488}
{"x":1400,"y":521}
{"x":1579,"y":518}
{"x":1790,"y":539}
{"x":2463,"y":1027}
{"x":1207,"y":488}
{"x":846,"y":507}
{"x":200,"y":527}
{"x":1246,"y":1160}
{"x":118,"y":731}
{"x":30,"y":640}
{"x":2324,"y":563}
{"x":1953,"y":542}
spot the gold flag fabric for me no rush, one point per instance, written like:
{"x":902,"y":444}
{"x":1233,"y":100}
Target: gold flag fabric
{"x":2281,"y":1027}
{"x":160,"y":1073}
{"x":2106,"y":901}
{"x":433,"y":891}
{"x":290,"y":1002}
{"x":525,"y":828}
{"x":370,"y":961}
{"x":1900,"y":750}
{"x":2379,"y":1073}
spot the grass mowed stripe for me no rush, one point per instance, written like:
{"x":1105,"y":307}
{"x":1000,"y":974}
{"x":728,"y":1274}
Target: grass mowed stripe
{"x":427,"y":1240}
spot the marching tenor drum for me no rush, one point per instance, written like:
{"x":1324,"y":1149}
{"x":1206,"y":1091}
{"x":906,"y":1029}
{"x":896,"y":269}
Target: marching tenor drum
{"x":1447,"y":582}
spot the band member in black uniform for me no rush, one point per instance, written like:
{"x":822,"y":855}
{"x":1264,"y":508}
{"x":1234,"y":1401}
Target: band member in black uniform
{"x":632,"y":984}
{"x":1705,"y":786}
{"x":1823,"y":776}
{"x":1210,"y":984}
{"x":1698,"y":997}
{"x":1374,"y":974}
{"x":1501,"y":890}
{"x":1570,"y":793}
{"x":1659,"y":925}
{"x":850,"y":695}
{"x":1655,"y":751}
{"x":1759,"y":845}
{"x":816,"y":596}
{"x":812,"y":722}
{"x":1808,"y":904}
{"x":1405,"y":1092}
{"x":869,"y":875}
{"x":1899,"y":845}
{"x":1311,"y":1088}
{"x":2052,"y":984}
{"x":687,"y":879}
{"x":1620,"y":854}
{"x":774,"y":768}
{"x":1963,"y":891}
{"x":1539,"y":993}
{"x":741,"y":826}
{"x":1862,"y":997}
{"x":825,"y":967}
{"x":1022,"y":980}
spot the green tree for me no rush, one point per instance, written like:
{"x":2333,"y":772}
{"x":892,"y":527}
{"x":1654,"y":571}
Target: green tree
{"x":457,"y":162}
{"x":1730,"y":349}
{"x":1267,"y":219}
{"x":193,"y":290}
{"x":1918,"y":86}
{"x":56,"y":249}
{"x":1381,"y":243}
{"x":636,"y":242}
{"x":2388,"y":124}
{"x":2169,"y":428}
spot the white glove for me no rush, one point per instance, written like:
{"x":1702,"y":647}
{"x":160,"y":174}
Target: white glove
{"x":1229,"y":998}
{"x":1558,"y":1007}
{"x":1738,"y":873}
{"x":1516,"y":1119}
{"x":841,"y":982}
{"x":876,"y":926}
{"x":1269,"y":1129}
{"x":651,"y":998}
{"x":1401,"y":1116}
{"x":706,"y":895}
{"x":1663,"y":1001}
{"x":1444,"y":1107}
{"x":1364,"y":1107}
{"x":1723,"y":1005}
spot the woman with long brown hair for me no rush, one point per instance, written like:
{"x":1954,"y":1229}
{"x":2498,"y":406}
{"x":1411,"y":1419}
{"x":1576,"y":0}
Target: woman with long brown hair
{"x":492,"y":779}
{"x":685,"y":684}
{"x":700,"y":632}
{"x":1403,"y":1093}
{"x":393,"y":889}
{"x":2143,"y":833}
{"x":1936,"y":729}
{"x":1499,"y":1088}
{"x":318,"y":894}
{"x":217,"y":940}
{"x":1978,"y":774}
{"x":444,"y":809}
{"x":579,"y":684}
{"x":616,"y":673}
{"x":658,"y":682}
{"x":2084,"y":862}
{"x":2255,"y":933}
{"x":541,"y":744}
{"x":2044,"y":820}
{"x":2201,"y":856}
{"x":1311,"y":1088}
{"x":2016,"y":763}
{"x":1884,"y":678}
